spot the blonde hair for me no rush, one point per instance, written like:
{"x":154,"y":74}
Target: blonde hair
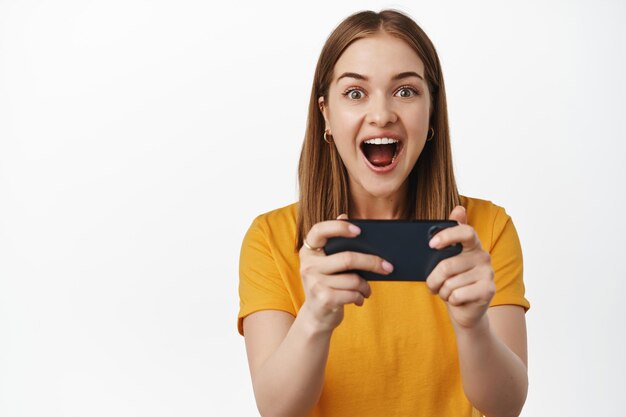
{"x":322,"y":176}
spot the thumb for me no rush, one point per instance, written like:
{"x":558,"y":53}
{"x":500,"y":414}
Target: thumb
{"x":342,"y":216}
{"x":459,"y":215}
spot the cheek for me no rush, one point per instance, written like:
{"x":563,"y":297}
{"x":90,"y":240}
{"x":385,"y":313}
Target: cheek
{"x":419,"y":121}
{"x":345,"y":120}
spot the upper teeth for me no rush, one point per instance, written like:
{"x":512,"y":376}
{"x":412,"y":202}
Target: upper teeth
{"x":381,"y":141}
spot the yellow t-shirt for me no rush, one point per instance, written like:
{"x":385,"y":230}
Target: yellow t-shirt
{"x":396,"y":355}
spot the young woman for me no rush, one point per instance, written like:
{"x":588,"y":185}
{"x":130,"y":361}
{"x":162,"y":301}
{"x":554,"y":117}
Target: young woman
{"x":321,"y":341}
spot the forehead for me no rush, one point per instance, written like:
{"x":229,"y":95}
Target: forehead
{"x":378,"y":56}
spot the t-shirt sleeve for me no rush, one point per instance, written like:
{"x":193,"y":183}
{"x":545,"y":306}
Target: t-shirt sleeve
{"x":261,"y":286}
{"x":507,"y":263}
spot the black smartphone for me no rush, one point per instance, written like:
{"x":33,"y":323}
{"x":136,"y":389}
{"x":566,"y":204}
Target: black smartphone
{"x":404,"y":243}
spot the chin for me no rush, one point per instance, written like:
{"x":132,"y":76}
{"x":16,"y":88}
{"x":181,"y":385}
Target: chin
{"x":383,"y":190}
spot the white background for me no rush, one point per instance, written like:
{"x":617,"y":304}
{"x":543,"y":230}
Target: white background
{"x":138,"y":140}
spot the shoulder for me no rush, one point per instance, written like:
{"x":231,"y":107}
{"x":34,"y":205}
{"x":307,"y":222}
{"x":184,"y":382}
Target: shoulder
{"x":479,"y":208}
{"x":266,"y":264}
{"x":278,"y":217}
{"x":487,"y":218}
{"x":276,"y":227}
{"x":498,"y":236}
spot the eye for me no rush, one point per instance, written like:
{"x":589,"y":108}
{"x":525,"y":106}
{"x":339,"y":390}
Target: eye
{"x":407,"y":92}
{"x":353,"y":94}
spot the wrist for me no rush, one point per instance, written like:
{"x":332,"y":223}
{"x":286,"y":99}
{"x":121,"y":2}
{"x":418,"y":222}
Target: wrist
{"x":312,"y":325}
{"x":478,"y":330}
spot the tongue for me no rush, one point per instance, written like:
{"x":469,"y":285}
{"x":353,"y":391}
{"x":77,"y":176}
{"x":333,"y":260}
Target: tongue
{"x":379,"y":155}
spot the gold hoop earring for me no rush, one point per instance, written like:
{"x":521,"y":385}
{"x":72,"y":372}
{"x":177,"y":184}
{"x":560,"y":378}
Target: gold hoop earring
{"x":326,"y":135}
{"x":430,"y":137}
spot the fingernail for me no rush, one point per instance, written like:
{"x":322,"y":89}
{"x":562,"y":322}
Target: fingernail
{"x":387,"y":266}
{"x":354,"y":229}
{"x":434,"y":242}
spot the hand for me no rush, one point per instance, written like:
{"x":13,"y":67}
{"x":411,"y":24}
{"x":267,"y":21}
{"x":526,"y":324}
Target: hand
{"x":327,"y":285}
{"x":464,"y":281}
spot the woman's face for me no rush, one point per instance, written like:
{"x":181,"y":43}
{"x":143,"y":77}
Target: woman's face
{"x":377,"y":110}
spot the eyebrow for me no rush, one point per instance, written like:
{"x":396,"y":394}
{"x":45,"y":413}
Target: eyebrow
{"x":402,"y":75}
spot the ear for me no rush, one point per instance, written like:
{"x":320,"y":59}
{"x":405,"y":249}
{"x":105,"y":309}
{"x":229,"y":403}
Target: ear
{"x":324,"y":109}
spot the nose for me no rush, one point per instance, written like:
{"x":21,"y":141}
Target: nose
{"x":380,"y":112}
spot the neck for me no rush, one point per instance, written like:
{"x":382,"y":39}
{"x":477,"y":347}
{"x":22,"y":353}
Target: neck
{"x":366,"y":206}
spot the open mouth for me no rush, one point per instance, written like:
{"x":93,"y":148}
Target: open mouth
{"x":381,"y":152}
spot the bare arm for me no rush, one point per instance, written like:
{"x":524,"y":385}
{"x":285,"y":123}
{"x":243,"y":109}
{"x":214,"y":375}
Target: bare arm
{"x":493,"y":361}
{"x":287,"y":358}
{"x":287,"y":355}
{"x":491,"y":341}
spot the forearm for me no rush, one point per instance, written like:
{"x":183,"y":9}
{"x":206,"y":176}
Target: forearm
{"x":289,"y":382}
{"x":495,"y":379}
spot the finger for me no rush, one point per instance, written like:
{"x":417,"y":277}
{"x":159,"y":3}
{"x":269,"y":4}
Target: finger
{"x":348,"y":282}
{"x":342,"y":216}
{"x":321,"y":232}
{"x":480,"y":292}
{"x":350,"y":261}
{"x":459,"y":214}
{"x":452,"y":284}
{"x":463,"y":234}
{"x":447,"y":269}
{"x":330,"y":299}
